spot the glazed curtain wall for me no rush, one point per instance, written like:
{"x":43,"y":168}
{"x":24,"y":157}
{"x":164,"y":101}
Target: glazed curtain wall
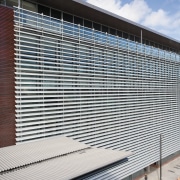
{"x":95,"y":87}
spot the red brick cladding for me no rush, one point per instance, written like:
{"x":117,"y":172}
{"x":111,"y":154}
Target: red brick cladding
{"x":7,"y":80}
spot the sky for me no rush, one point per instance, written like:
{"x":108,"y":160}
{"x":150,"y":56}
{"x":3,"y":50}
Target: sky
{"x":159,"y":15}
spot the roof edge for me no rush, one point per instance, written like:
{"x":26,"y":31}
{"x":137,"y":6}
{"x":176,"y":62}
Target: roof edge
{"x":124,"y":19}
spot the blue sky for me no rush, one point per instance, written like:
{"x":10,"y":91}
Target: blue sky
{"x":168,"y":5}
{"x":160,"y":15}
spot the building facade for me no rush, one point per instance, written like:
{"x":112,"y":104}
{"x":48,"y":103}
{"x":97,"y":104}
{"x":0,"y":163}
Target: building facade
{"x":71,"y":69}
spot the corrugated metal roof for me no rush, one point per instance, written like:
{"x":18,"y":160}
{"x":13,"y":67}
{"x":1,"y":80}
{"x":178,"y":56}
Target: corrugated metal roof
{"x":27,"y":153}
{"x":54,"y":158}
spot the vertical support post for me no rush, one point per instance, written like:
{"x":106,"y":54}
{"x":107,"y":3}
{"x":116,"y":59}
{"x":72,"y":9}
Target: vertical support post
{"x":19,"y":3}
{"x":141,"y":42}
{"x":160,"y":162}
{"x":130,"y":177}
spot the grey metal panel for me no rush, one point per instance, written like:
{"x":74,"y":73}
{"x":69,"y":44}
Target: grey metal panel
{"x":27,"y":153}
{"x":70,"y":159}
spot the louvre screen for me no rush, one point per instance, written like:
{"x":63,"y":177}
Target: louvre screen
{"x":95,"y":87}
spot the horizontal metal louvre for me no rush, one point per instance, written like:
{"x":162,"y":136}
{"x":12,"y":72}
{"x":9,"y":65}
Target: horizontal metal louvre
{"x":95,"y":87}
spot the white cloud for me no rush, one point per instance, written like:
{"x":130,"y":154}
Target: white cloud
{"x":140,"y":12}
{"x":110,"y":5}
{"x":135,"y":10}
{"x":157,"y":18}
{"x":164,"y":22}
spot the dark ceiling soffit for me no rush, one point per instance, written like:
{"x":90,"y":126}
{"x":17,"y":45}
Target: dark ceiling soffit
{"x":91,"y":173}
{"x":93,"y":13}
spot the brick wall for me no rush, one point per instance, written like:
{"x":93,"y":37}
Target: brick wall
{"x":7,"y":80}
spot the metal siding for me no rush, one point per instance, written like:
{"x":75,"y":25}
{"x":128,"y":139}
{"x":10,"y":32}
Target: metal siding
{"x":34,"y":152}
{"x":100,"y":89}
{"x":54,"y":158}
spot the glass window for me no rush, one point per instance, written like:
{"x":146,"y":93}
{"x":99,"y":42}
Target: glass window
{"x":29,"y":6}
{"x":173,"y":50}
{"x":96,"y":26}
{"x":67,"y":17}
{"x":156,"y":45}
{"x":131,"y":37}
{"x":147,"y":42}
{"x":112,"y":31}
{"x":78,"y":20}
{"x":3,"y":2}
{"x":125,"y":35}
{"x":119,"y":33}
{"x":87,"y":23}
{"x":104,"y":29}
{"x":152,"y":43}
{"x":137,"y":39}
{"x":56,"y":14}
{"x":44,"y":10}
{"x":144,"y":41}
{"x":12,"y":3}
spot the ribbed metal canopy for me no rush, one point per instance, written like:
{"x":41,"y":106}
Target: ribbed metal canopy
{"x":53,"y":158}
